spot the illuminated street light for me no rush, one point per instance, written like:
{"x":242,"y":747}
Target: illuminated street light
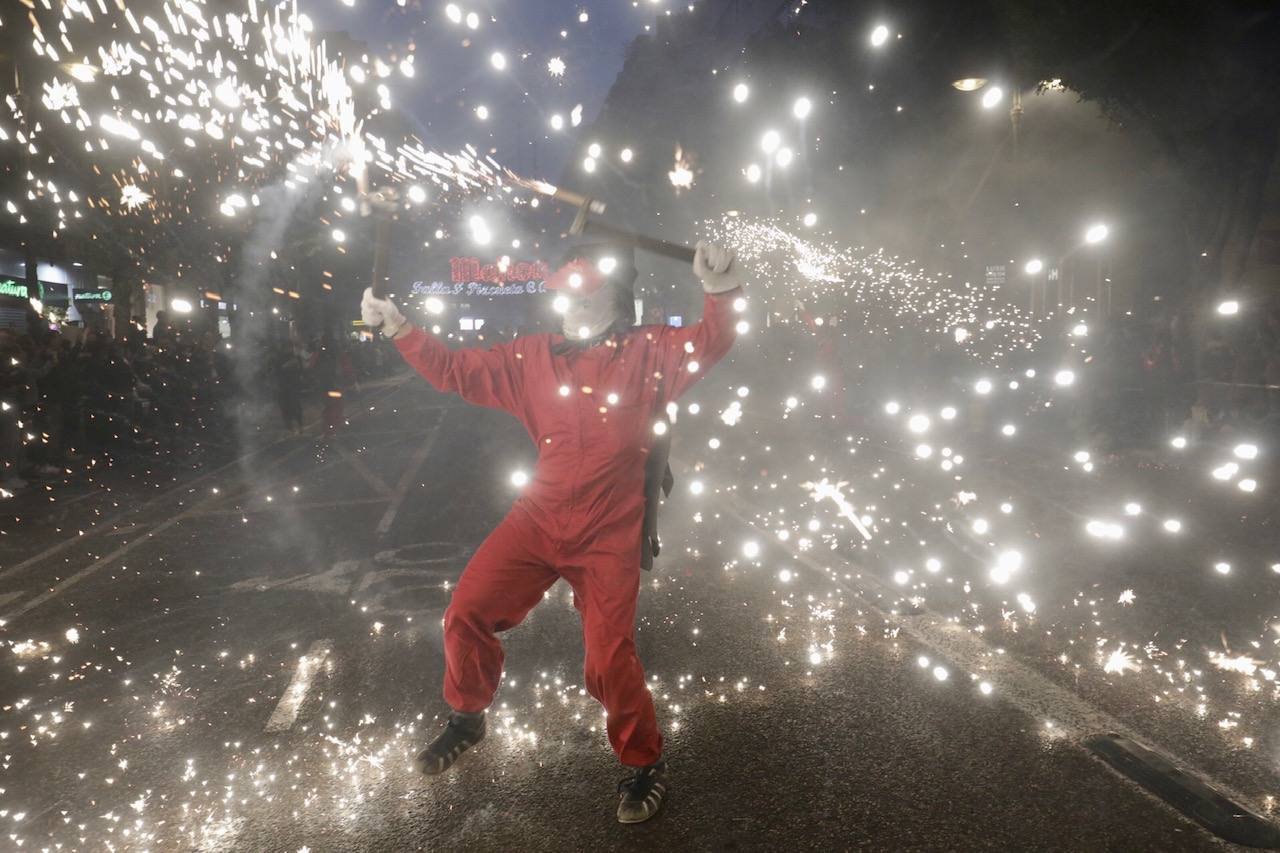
{"x":801,"y":108}
{"x":753,"y":173}
{"x":1034,"y":266}
{"x":741,"y":92}
{"x":969,"y":84}
{"x":992,"y":97}
{"x":784,"y":158}
{"x":1096,"y":233}
{"x":770,"y":141}
{"x":879,"y":35}
{"x":498,"y":61}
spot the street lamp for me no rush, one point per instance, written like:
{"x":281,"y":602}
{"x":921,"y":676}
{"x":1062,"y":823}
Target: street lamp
{"x":1033,"y":268}
{"x":741,"y":92}
{"x":1093,"y":235}
{"x":801,"y":108}
{"x":992,"y":97}
{"x":879,"y":35}
{"x":770,"y":141}
{"x":969,"y":84}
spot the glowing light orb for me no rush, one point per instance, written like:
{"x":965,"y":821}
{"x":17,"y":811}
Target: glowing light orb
{"x":1063,"y":378}
{"x":751,"y":549}
{"x":879,"y":35}
{"x":918,"y":424}
{"x":741,"y":92}
{"x":519,"y":479}
{"x":801,"y":108}
{"x":1228,"y":308}
{"x":434,"y":305}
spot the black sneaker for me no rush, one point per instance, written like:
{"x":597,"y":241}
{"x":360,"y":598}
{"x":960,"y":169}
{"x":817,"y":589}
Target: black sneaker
{"x":642,"y":794}
{"x":462,"y":732}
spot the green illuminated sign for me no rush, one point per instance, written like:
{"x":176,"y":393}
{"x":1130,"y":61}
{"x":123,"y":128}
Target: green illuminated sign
{"x":9,"y":287}
{"x":92,"y":296}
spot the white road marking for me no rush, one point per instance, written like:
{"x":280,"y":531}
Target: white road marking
{"x":1063,"y":714}
{"x":402,"y":488}
{"x":286,"y":712}
{"x":378,"y":484}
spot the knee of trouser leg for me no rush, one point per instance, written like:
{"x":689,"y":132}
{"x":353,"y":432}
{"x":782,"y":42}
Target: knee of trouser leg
{"x":462,"y":616}
{"x":607,"y":654}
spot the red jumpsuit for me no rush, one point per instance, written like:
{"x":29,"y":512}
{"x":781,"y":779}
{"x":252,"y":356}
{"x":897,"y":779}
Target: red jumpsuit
{"x":580,"y":518}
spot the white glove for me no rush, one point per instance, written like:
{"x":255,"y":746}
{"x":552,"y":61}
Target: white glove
{"x":381,"y":312}
{"x":716,"y":268}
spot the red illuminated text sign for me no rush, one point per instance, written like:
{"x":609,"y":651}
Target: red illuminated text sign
{"x":465,"y":270}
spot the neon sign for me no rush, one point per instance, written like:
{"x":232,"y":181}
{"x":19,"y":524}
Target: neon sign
{"x":9,"y":287}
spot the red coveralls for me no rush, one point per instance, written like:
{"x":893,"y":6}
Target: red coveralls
{"x":580,"y":518}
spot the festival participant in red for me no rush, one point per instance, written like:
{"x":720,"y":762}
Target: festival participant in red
{"x":589,"y":398}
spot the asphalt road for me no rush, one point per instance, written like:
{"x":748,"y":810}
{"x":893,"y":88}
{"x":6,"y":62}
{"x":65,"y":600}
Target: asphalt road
{"x":245,"y":656}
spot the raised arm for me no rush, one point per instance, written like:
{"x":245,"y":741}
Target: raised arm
{"x":485,"y":377}
{"x":488,"y":377}
{"x":689,"y":352}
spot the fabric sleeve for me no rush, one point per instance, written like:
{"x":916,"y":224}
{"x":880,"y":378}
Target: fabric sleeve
{"x":488,"y":377}
{"x":688,"y":352}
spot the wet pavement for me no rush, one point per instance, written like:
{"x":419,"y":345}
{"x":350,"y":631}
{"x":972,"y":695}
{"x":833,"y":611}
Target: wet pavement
{"x":246,"y":656}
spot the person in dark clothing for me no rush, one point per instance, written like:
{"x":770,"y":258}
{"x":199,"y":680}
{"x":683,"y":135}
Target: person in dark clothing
{"x":287,"y":380}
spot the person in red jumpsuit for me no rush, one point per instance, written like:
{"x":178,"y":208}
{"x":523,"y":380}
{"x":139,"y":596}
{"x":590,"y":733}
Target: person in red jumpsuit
{"x":590,"y":399}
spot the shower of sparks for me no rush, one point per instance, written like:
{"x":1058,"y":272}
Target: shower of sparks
{"x":132,"y":197}
{"x":681,"y":173}
{"x":198,"y":108}
{"x":875,"y":289}
{"x":1119,"y":662}
{"x":194,"y":96}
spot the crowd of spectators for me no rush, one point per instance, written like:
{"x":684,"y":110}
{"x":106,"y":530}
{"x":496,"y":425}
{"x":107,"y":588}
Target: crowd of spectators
{"x":70,"y":396}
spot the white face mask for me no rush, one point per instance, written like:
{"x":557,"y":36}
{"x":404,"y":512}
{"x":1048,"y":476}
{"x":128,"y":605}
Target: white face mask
{"x":586,"y":316}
